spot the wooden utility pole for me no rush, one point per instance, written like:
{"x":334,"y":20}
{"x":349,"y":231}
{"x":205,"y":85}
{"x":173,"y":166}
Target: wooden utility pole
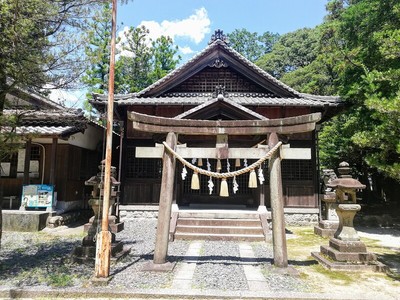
{"x":103,"y":245}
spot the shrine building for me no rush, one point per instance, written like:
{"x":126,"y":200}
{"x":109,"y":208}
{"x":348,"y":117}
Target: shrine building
{"x":223,"y":109}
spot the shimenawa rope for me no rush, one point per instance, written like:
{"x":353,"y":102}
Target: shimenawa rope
{"x":226,"y":174}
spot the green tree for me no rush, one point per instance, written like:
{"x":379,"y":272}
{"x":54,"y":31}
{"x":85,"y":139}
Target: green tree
{"x":293,"y":50}
{"x":97,"y":51}
{"x":135,"y":60}
{"x":165,"y":58}
{"x":250,"y":44}
{"x":141,"y":64}
{"x":40,"y":43}
{"x":366,"y":35}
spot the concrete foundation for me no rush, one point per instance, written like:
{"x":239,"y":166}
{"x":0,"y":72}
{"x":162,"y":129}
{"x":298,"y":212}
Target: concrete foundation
{"x":28,"y":221}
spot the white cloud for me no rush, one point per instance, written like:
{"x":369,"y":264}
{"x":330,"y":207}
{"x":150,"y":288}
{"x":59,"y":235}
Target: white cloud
{"x":194,"y":28}
{"x":186,"y":50}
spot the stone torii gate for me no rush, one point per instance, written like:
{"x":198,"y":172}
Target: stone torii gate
{"x":221,"y":129}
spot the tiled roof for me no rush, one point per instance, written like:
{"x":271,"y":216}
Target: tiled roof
{"x":48,"y":122}
{"x":48,"y":117}
{"x":44,"y":130}
{"x":242,"y":100}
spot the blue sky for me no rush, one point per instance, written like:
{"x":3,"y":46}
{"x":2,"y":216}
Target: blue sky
{"x":191,"y":22}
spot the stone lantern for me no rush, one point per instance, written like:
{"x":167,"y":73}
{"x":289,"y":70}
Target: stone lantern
{"x":345,"y":191}
{"x":329,"y":224}
{"x":346,"y":251}
{"x":87,"y":251}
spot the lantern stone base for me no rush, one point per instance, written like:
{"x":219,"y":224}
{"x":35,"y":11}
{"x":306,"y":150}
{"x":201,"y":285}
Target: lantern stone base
{"x":87,"y":254}
{"x":114,"y":226}
{"x":325,"y":261}
{"x":326,"y":228}
{"x":348,"y":255}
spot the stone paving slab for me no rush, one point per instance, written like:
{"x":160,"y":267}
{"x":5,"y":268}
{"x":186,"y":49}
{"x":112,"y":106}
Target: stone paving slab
{"x":183,"y":278}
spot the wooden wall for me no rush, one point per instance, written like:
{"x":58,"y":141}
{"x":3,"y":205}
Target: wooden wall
{"x":71,"y":172}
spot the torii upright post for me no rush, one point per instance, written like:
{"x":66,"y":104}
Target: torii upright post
{"x":278,"y":216}
{"x":103,"y":246}
{"x":164,"y":212}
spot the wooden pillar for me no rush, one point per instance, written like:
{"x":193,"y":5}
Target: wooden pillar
{"x":278,"y":217}
{"x":27,"y":162}
{"x":53,"y":161}
{"x":166,"y":196}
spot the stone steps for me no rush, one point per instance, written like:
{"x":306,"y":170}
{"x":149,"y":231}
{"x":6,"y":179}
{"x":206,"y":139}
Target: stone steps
{"x":219,"y":237}
{"x":228,"y":225}
{"x":218,"y":214}
{"x":218,"y":222}
{"x":219,"y":229}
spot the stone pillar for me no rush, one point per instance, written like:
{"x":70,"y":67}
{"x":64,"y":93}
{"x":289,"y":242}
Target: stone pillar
{"x":166,"y":197}
{"x":278,"y":217}
{"x":346,"y":213}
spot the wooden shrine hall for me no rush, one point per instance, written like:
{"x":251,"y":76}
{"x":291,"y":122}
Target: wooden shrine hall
{"x":241,"y":138}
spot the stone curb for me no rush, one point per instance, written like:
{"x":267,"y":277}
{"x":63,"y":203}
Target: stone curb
{"x":101,"y":293}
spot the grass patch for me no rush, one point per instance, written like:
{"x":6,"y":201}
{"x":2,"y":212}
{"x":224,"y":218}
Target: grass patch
{"x":60,"y":280}
{"x":303,"y":243}
{"x":340,"y":277}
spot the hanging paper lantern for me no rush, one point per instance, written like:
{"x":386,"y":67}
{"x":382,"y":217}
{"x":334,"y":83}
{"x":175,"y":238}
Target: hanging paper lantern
{"x":253,"y":179}
{"x":195,"y":181}
{"x":200,"y":162}
{"x":224,"y":192}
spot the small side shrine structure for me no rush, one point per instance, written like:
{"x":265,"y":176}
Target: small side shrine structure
{"x":60,"y":148}
{"x":223,"y":110}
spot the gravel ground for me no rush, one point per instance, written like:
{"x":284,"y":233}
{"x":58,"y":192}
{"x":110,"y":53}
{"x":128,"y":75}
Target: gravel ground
{"x":219,"y":267}
{"x":41,"y":259}
{"x":37,"y":261}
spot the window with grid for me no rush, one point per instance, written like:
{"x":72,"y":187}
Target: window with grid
{"x":207,"y":80}
{"x":297,"y":169}
{"x":142,"y":167}
{"x":35,"y":152}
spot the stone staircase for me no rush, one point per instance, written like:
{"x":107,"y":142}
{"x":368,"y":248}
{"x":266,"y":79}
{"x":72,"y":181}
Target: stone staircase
{"x":219,"y":224}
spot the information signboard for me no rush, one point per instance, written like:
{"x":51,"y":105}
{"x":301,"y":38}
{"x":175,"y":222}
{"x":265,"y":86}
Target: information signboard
{"x":37,"y":195}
